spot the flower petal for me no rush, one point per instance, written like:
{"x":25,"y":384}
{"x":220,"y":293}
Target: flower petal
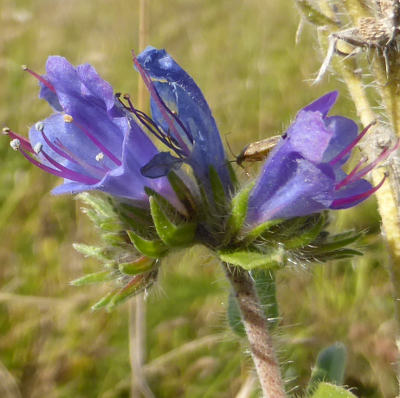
{"x":344,"y":133}
{"x":73,"y":142}
{"x":308,"y":135}
{"x":323,"y":104}
{"x":290,"y":187}
{"x":181,"y":94}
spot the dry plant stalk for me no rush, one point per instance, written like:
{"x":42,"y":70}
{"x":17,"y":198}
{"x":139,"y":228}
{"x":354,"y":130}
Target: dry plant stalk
{"x":369,"y":31}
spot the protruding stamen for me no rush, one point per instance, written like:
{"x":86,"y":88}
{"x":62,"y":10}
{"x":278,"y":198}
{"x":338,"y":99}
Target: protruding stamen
{"x":349,"y":148}
{"x":68,"y":118}
{"x":346,"y":180}
{"x":38,"y":147}
{"x":384,"y":155}
{"x":40,"y":78}
{"x":99,"y":157}
{"x":351,"y":200}
{"x":15,"y":144}
{"x":24,"y":143}
{"x":68,"y":174}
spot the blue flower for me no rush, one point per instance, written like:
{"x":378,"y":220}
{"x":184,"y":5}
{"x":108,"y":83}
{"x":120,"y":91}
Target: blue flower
{"x":184,"y":117}
{"x":89,"y":140}
{"x":303,"y":174}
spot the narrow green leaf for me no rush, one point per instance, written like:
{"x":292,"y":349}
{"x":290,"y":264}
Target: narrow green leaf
{"x":251,"y":259}
{"x":115,"y":239}
{"x":104,"y":301}
{"x":233,"y":176}
{"x":260,"y":229}
{"x":239,"y":209}
{"x":149,"y":248}
{"x":99,"y":204}
{"x":308,"y":235}
{"x":313,"y":15}
{"x":330,"y":366}
{"x":335,"y":255}
{"x":91,"y":251}
{"x":333,"y":244}
{"x":138,"y":266}
{"x":173,"y":235}
{"x":182,"y":192}
{"x":136,"y":284}
{"x":111,"y":225}
{"x":102,"y":276}
{"x":217,"y":188}
{"x":326,"y":390}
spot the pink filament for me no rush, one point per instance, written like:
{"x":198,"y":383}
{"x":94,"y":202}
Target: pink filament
{"x":339,"y":203}
{"x":351,"y":146}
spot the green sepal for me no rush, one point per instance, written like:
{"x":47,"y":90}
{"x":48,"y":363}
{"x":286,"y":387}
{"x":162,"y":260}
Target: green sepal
{"x":182,"y":192}
{"x":96,"y":277}
{"x":252,"y":259}
{"x":232,"y":175}
{"x":339,"y":254}
{"x":326,"y":390}
{"x":147,"y":247}
{"x":100,"y":209}
{"x":110,"y":225}
{"x":239,"y":209}
{"x":217,"y":188}
{"x":99,"y":253}
{"x":173,"y":235}
{"x":136,"y":284}
{"x":137,"y":266}
{"x":337,"y":242}
{"x":313,"y":15}
{"x":308,"y":235}
{"x":115,"y":239}
{"x":260,"y":229}
{"x":330,"y":367}
{"x":104,"y":301}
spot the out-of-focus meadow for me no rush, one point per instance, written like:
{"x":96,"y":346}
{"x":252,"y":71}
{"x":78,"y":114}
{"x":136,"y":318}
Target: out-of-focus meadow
{"x":243,"y":56}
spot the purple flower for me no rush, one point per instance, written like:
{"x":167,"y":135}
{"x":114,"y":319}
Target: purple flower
{"x":89,"y":140}
{"x":303,"y":174}
{"x":184,"y":117}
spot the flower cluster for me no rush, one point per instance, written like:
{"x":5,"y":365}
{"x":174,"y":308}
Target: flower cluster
{"x":99,"y":141}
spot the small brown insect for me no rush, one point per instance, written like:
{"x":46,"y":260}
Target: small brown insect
{"x":257,"y":151}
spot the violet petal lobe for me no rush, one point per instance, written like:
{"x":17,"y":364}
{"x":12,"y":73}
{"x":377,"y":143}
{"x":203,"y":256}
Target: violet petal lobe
{"x":323,"y":104}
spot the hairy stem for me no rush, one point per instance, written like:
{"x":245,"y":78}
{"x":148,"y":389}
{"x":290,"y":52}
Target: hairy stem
{"x":255,"y":324}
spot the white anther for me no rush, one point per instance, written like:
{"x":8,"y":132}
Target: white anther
{"x":24,"y":67}
{"x":99,"y":156}
{"x":68,"y":118}
{"x":38,"y":147}
{"x":39,"y":126}
{"x":15,"y":144}
{"x":6,"y":130}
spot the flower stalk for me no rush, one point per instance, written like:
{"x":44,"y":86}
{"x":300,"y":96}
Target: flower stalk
{"x":259,"y":338}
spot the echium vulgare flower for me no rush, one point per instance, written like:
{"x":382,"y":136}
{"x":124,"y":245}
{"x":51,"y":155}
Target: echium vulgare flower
{"x":304,"y":175}
{"x":89,"y":141}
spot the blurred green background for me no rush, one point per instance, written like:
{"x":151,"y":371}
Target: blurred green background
{"x":243,"y":56}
